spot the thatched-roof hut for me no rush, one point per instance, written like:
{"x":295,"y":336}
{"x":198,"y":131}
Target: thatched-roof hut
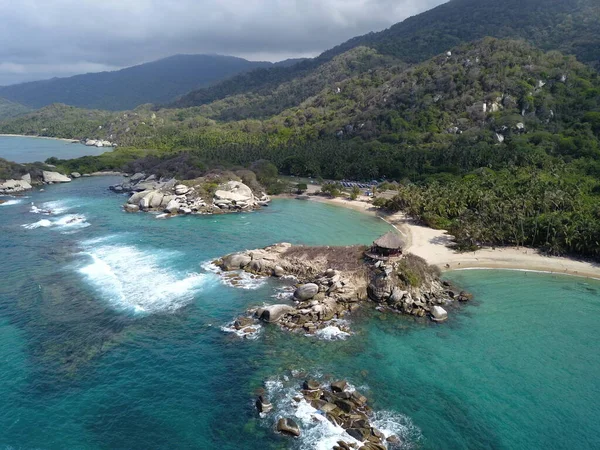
{"x":389,"y":245}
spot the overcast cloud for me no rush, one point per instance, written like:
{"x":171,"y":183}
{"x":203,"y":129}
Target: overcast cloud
{"x":44,"y":38}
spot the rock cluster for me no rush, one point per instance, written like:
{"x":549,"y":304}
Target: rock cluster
{"x":325,"y":292}
{"x":343,"y":407}
{"x":9,"y":187}
{"x":99,"y":143}
{"x":173,"y":198}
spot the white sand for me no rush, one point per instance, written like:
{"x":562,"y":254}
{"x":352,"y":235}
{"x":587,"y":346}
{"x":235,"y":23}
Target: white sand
{"x":432,"y":245}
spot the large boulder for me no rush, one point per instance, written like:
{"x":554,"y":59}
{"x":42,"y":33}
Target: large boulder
{"x":181,"y":189}
{"x":137,"y":197}
{"x":274,"y":313}
{"x":75,"y":175}
{"x":234,"y":191}
{"x":173,"y":206}
{"x":438,"y":314}
{"x":288,"y":426}
{"x":27,"y":178}
{"x":14,"y":186}
{"x":137,"y":177}
{"x":235,"y":261}
{"x":54,"y":177}
{"x":306,"y":292}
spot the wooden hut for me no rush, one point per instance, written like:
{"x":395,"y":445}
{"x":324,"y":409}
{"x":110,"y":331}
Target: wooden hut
{"x":389,"y":245}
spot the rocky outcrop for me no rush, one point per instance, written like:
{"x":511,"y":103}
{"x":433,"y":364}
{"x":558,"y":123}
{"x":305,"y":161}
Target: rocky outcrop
{"x":9,"y":187}
{"x":341,"y":405}
{"x":99,"y":143}
{"x":336,"y":280}
{"x":54,"y":177}
{"x":168,"y":196}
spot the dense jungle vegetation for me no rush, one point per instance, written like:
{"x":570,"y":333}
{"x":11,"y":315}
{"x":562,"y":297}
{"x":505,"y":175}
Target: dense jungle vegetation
{"x":497,"y":141}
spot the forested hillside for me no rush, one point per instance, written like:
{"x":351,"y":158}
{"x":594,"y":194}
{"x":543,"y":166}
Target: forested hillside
{"x":155,"y":82}
{"x":571,"y":26}
{"x":496,"y":140}
{"x":10,"y":109}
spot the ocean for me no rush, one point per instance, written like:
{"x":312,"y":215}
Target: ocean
{"x":114,"y":335}
{"x":29,"y":149}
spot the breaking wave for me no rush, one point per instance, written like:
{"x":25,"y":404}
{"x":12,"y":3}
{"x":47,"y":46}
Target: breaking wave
{"x":139,"y":281}
{"x":69,"y":221}
{"x":236,"y":278}
{"x":11,"y":202}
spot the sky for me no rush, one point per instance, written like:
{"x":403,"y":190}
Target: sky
{"x":46,"y":38}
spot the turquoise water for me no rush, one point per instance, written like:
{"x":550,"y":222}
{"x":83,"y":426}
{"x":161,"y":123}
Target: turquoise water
{"x":110,"y":338}
{"x":27,"y":150}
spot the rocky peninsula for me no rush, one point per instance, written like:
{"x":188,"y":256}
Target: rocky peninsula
{"x":333,"y":281}
{"x":205,"y":195}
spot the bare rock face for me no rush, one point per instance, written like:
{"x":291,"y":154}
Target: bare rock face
{"x":14,"y":186}
{"x":306,"y":292}
{"x":234,"y":191}
{"x":54,"y":177}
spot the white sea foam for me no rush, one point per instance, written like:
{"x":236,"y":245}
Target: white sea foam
{"x":139,"y":281}
{"x":236,"y":278}
{"x":332,"y":333}
{"x":12,"y":202}
{"x":45,"y":223}
{"x":67,"y":222}
{"x":230,"y":328}
{"x":56,"y":207}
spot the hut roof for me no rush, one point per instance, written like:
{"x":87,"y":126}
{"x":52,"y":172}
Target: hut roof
{"x":391,"y":241}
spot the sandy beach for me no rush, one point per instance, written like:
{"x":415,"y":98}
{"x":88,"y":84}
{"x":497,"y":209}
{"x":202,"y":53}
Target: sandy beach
{"x":38,"y":137}
{"x":432,"y":245}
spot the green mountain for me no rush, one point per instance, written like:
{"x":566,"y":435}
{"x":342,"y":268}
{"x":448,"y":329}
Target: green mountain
{"x":495,"y":140}
{"x":10,"y":109}
{"x":571,"y":26}
{"x":155,"y":82}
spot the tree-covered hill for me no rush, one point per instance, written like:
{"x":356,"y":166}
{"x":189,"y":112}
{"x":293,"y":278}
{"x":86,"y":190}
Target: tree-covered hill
{"x":10,"y":109}
{"x":571,"y":26}
{"x":497,"y":141}
{"x":155,"y":82}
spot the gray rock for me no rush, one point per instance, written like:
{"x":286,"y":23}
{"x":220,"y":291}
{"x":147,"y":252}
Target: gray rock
{"x":137,"y":197}
{"x":438,"y":314}
{"x":131,"y":208}
{"x":54,"y":177}
{"x":278,"y":272}
{"x":263,"y":405}
{"x":235,"y":261}
{"x":274,"y":313}
{"x":181,"y":189}
{"x":75,"y":175}
{"x":306,"y":292}
{"x":27,"y":178}
{"x":173,"y":206}
{"x":288,"y":426}
{"x":137,"y":177}
{"x":13,"y":186}
{"x":339,"y":386}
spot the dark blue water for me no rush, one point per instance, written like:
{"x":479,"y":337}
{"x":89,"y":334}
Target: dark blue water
{"x":110,"y":338}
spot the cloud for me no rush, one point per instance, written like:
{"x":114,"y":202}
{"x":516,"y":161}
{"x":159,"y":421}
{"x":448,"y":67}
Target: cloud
{"x":63,"y":37}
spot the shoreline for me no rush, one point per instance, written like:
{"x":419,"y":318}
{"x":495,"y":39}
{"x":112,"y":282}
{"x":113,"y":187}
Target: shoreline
{"x":431,"y":245}
{"x":40,"y":137}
